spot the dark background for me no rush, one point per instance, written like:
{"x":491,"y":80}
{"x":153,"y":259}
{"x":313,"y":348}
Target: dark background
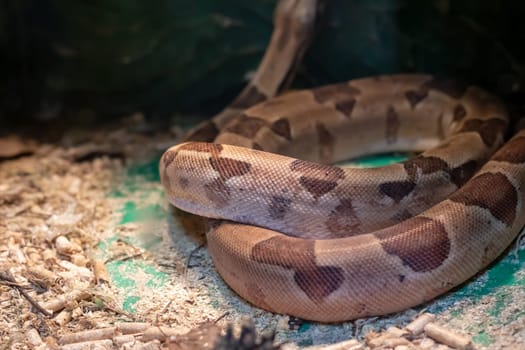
{"x":171,"y":57}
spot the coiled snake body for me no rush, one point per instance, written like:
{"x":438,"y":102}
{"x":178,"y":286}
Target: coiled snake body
{"x":327,"y":243}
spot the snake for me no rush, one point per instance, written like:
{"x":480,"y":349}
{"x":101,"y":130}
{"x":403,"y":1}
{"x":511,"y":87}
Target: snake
{"x":294,"y":232}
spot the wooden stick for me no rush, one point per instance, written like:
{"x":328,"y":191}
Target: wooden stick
{"x":62,"y":300}
{"x":89,"y":335}
{"x":447,"y":337}
{"x":11,"y":281}
{"x":345,"y":345}
{"x":97,"y":344}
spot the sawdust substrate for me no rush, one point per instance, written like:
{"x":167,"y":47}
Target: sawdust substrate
{"x":55,"y":209}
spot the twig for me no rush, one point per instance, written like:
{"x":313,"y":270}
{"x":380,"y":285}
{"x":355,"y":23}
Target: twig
{"x":163,"y":311}
{"x":11,"y":281}
{"x":187,"y":266}
{"x":123,"y":257}
{"x":221,"y":317}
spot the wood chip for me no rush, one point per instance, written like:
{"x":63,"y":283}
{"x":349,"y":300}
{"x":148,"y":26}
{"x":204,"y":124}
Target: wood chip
{"x":159,"y":333}
{"x":120,"y":340}
{"x":80,"y":260}
{"x":33,"y":337}
{"x":90,"y":151}
{"x":105,"y":344}
{"x":132,"y":327}
{"x":49,"y":255}
{"x":417,"y":326}
{"x":152,"y":345}
{"x":391,"y":338}
{"x":62,"y":318}
{"x":42,"y":276}
{"x":396,"y":332}
{"x":447,"y":337}
{"x":78,"y":272}
{"x":426,"y":343}
{"x":61,"y":301}
{"x":12,"y":146}
{"x":402,"y":347}
{"x":89,"y":335}
{"x":65,"y":247}
{"x":345,"y":345}
{"x":100,"y":272}
{"x":393,"y":342}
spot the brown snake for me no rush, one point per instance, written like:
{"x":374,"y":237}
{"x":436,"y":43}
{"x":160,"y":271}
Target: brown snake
{"x":330,"y":244}
{"x":352,"y":253}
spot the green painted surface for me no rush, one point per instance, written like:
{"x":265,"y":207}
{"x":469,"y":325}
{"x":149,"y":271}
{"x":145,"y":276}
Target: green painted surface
{"x":130,"y":274}
{"x":501,"y":274}
{"x":133,"y":213}
{"x":129,"y":302}
{"x":378,"y":160}
{"x":482,"y":339}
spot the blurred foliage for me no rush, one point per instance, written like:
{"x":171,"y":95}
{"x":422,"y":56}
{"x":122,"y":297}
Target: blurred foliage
{"x":169,"y":56}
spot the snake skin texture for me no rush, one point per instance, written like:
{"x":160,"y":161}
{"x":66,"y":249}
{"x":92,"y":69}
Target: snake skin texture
{"x":293,"y":234}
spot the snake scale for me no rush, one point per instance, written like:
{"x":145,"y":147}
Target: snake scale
{"x":292,"y":234}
